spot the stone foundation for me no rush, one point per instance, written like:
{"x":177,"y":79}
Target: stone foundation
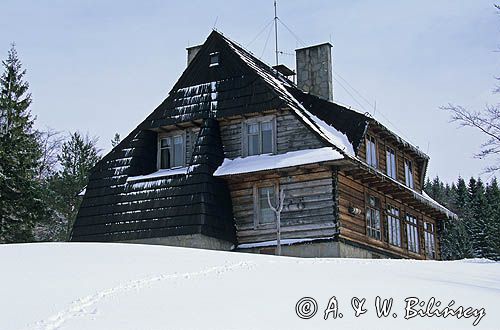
{"x":197,"y":241}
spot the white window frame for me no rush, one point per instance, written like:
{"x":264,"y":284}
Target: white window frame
{"x":430,"y":241}
{"x":258,"y":223}
{"x":259,"y":121}
{"x":409,"y":173}
{"x":413,"y":242}
{"x":371,"y":151}
{"x":171,"y":135}
{"x":393,"y":225}
{"x":391,"y":163}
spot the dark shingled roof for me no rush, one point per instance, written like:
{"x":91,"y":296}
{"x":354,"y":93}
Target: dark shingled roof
{"x":115,"y":208}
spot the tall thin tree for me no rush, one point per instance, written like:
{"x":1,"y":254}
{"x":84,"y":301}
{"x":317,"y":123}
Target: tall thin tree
{"x":20,"y":202}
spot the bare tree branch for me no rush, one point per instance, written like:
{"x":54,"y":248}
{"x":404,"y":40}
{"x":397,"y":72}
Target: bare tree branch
{"x":487,"y":122}
{"x":50,"y":141}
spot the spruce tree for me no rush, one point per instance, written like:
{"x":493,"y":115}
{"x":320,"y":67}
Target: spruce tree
{"x":79,"y":155}
{"x":456,"y":241}
{"x":493,"y":227}
{"x":20,"y":203}
{"x":477,"y":223}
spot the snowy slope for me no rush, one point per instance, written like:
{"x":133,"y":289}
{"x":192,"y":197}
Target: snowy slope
{"x":120,"y":286}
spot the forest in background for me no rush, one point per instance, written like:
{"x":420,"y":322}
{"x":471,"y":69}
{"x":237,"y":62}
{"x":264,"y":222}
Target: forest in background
{"x":476,"y":232}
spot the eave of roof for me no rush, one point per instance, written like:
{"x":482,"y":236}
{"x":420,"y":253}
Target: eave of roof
{"x":257,"y":163}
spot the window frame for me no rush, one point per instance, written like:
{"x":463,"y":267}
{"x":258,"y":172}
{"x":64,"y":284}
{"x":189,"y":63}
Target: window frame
{"x":388,"y":151}
{"x":412,"y":228}
{"x":257,"y":221}
{"x":369,"y":140}
{"x":171,"y":135}
{"x":430,"y":240}
{"x":259,"y":121}
{"x":392,"y":219}
{"x":409,"y":179}
{"x":371,"y":210}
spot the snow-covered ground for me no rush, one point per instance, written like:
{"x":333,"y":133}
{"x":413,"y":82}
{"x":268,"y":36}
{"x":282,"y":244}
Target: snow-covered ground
{"x":120,"y":286}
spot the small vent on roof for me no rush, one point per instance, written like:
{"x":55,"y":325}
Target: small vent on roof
{"x":214,"y":59}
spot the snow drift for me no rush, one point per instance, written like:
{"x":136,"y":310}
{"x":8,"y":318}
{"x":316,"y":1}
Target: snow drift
{"x":125,"y":286}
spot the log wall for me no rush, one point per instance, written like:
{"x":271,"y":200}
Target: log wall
{"x":382,"y":143}
{"x":353,"y":227}
{"x":312,"y":187}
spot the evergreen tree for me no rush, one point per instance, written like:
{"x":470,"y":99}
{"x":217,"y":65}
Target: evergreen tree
{"x":455,"y":240}
{"x":493,"y":226}
{"x":79,"y":155}
{"x":20,"y":193}
{"x":454,"y":236}
{"x":477,"y":224}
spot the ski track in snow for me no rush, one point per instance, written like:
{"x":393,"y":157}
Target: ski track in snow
{"x":83,"y":306}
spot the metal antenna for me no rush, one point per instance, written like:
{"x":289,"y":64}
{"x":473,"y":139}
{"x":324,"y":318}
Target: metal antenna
{"x":276,"y":32}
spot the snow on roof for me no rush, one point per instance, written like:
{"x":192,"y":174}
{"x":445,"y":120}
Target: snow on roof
{"x":267,"y":161}
{"x":279,"y":83}
{"x":160,"y":173}
{"x":340,"y":140}
{"x":427,"y":199}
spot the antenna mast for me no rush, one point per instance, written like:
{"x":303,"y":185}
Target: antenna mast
{"x":276,"y":32}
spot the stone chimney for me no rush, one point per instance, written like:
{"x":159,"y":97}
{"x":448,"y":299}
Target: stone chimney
{"x":314,"y":70}
{"x":192,"y":51}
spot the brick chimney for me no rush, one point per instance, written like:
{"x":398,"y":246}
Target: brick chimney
{"x":314,"y":70}
{"x":191,"y":52}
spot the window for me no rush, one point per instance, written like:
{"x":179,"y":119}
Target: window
{"x":430,"y":245}
{"x":390,"y":156}
{"x":371,"y":151}
{"x":373,"y":217}
{"x":214,"y":59}
{"x":412,"y":233}
{"x":172,"y":150}
{"x":409,"y":173}
{"x":259,"y":137}
{"x":265,"y":213}
{"x":393,"y":226}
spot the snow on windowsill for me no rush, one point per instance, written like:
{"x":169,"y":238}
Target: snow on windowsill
{"x":267,"y":161}
{"x":161,"y":173}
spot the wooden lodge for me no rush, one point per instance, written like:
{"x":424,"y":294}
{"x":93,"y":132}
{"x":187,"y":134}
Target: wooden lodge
{"x":198,"y":170}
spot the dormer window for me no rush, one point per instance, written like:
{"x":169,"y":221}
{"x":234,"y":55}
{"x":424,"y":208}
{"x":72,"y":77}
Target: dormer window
{"x":214,"y":59}
{"x":259,"y":136}
{"x":172,"y":151}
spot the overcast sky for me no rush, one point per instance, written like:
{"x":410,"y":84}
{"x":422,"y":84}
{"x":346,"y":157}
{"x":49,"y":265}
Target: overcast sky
{"x":102,"y":66}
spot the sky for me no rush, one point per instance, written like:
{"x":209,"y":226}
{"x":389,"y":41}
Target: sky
{"x":100,"y":67}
